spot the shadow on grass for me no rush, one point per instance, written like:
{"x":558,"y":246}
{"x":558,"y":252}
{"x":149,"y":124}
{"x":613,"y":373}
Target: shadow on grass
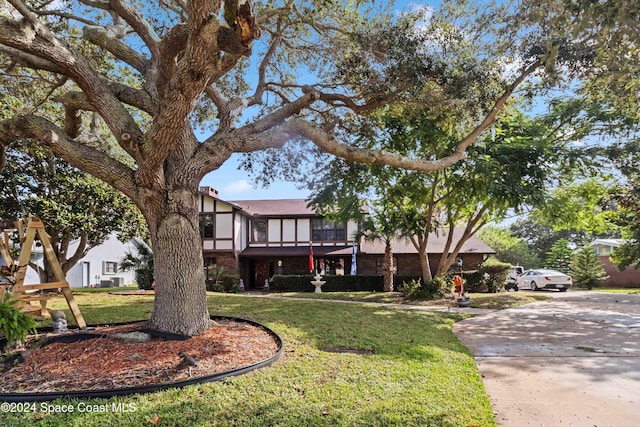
{"x":392,"y":332}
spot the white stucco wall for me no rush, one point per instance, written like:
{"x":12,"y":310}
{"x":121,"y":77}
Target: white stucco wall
{"x":112,"y":250}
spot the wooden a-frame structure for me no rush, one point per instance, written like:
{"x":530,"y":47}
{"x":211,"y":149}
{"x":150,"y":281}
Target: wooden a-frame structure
{"x":23,"y":292}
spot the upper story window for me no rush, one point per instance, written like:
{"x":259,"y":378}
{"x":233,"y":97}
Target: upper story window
{"x":259,"y":230}
{"x":323,"y":230}
{"x":206,"y":226}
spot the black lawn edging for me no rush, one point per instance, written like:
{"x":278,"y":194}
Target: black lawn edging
{"x":125,"y":391}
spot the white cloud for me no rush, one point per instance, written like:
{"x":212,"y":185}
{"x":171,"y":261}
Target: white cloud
{"x":238,"y":186}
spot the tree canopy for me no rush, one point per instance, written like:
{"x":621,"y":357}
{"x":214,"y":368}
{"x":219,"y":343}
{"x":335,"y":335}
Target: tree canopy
{"x":183,"y":85}
{"x":79,"y":211}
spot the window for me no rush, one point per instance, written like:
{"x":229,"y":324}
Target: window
{"x":109,"y":267}
{"x":210,"y":268}
{"x":259,"y":230}
{"x":206,"y":226}
{"x":323,"y":230}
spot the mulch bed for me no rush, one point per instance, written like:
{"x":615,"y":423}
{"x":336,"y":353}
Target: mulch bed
{"x":107,"y":362}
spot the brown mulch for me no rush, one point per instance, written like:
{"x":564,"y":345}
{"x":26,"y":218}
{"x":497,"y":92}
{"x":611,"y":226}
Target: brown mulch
{"x":107,"y":362}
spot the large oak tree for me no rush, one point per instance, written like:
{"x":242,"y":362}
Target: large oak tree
{"x":171,"y":79}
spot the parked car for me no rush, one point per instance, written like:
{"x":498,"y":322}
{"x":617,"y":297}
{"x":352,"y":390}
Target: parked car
{"x":512,"y":281}
{"x":544,"y":279}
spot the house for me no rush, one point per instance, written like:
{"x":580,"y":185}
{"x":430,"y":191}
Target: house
{"x":630,"y":277}
{"x":99,"y":268}
{"x":257,"y":239}
{"x":473,"y":252}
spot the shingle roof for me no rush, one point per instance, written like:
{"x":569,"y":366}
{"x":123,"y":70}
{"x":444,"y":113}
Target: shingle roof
{"x":436,"y":245}
{"x":281,"y":208}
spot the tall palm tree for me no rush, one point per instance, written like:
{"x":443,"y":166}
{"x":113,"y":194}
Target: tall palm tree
{"x":379,"y":228}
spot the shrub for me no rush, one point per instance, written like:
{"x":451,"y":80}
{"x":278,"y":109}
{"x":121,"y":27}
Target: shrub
{"x":474,"y":281}
{"x":586,"y":269}
{"x":14,"y":324}
{"x":415,"y":289}
{"x":496,"y":273}
{"x":144,"y":278}
{"x":224,"y":283}
{"x":302,"y":283}
{"x":215,"y":287}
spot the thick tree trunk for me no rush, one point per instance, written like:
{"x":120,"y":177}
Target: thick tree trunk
{"x":180,"y":294}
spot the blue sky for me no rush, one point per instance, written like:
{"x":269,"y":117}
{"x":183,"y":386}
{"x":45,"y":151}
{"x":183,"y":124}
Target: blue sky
{"x":234,"y":184}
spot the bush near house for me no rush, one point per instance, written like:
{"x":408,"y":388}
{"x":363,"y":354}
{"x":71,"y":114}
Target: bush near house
{"x":225,"y":283}
{"x":495,"y":273}
{"x":414,"y":288}
{"x":358,"y":283}
{"x":490,"y":277}
{"x":302,"y":283}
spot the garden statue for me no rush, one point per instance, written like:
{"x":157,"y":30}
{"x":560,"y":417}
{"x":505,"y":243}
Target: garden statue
{"x":59,"y":322}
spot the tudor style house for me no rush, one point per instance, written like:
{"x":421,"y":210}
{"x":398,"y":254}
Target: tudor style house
{"x":260,"y":238}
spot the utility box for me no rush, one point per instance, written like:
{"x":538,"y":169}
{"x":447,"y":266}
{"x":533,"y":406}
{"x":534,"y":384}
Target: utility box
{"x":106,"y":283}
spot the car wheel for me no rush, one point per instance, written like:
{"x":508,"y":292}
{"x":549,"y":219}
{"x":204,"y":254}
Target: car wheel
{"x":515,"y":288}
{"x":563,"y":289}
{"x":533,"y":286}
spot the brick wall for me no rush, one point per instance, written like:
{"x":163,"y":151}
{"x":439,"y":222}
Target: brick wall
{"x":627,"y":278}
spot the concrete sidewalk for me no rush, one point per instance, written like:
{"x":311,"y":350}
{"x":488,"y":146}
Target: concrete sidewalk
{"x":573,"y":360}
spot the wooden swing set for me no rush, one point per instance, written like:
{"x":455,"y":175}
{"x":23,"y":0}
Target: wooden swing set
{"x":26,"y":294}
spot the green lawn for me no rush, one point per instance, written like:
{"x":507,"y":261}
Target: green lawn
{"x":418,"y":373}
{"x":497,"y":301}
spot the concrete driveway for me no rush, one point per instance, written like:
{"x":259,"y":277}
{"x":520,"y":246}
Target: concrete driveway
{"x":573,"y":360}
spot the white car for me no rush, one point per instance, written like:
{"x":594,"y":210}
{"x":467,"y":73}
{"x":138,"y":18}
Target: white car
{"x":544,"y":279}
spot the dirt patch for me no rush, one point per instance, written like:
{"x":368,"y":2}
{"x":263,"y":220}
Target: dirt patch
{"x":100,"y":360}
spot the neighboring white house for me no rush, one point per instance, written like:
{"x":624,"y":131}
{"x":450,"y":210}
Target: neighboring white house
{"x":99,"y":268}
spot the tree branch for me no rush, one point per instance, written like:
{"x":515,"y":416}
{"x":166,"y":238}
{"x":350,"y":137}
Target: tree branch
{"x":137,"y":23}
{"x":80,"y":252}
{"x":82,"y":157}
{"x":37,"y":40}
{"x":30,"y":61}
{"x":101,"y":37}
{"x":134,"y":97}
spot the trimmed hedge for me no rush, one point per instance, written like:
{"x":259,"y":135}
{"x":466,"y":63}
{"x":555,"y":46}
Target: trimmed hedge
{"x":358,"y":283}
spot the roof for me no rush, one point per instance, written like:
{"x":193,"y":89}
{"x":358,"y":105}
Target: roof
{"x":608,"y":242}
{"x":436,"y":245}
{"x":280,"y":208}
{"x":297,"y":251}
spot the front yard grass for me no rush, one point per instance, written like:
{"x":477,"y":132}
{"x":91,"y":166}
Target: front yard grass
{"x":496,"y":301}
{"x":401,"y":367}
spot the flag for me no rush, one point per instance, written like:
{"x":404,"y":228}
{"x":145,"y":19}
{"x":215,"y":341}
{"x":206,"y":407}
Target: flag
{"x":310,"y":257}
{"x":354,"y":267}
